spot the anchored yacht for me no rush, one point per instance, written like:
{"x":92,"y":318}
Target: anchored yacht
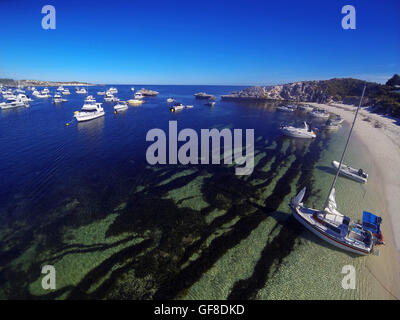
{"x":110,"y":97}
{"x":121,"y":106}
{"x":89,"y":111}
{"x":295,"y":132}
{"x":58,"y":98}
{"x":81,"y":90}
{"x":10,"y":104}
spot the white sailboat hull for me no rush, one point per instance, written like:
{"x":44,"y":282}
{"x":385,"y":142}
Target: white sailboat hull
{"x":326,"y":237}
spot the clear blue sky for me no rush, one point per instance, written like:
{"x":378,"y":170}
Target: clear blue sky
{"x":199,"y":42}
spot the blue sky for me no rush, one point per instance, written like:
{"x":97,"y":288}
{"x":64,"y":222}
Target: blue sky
{"x":199,"y":42}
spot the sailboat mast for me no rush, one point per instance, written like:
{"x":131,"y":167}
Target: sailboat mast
{"x":344,"y":151}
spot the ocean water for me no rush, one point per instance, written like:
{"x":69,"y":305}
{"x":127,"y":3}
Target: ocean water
{"x":82,"y":198}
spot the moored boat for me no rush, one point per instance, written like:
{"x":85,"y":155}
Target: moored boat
{"x":356,"y":174}
{"x":89,"y":111}
{"x":297,"y":132}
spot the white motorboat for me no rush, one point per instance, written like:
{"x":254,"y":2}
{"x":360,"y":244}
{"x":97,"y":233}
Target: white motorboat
{"x":66,"y":92}
{"x":331,"y":126}
{"x":121,"y":106}
{"x":60,"y":88}
{"x":45,"y":90}
{"x":305,"y":107}
{"x":331,"y":225}
{"x":132,"y":89}
{"x":170,"y":100}
{"x":320,"y":114}
{"x":176,"y":107}
{"x":296,"y":132}
{"x":189,"y":106}
{"x":110,"y":97}
{"x":101,"y":93}
{"x":112,"y":90}
{"x":138,"y":95}
{"x":203,"y":95}
{"x":284,"y":109}
{"x":356,"y":174}
{"x":58,"y":98}
{"x":81,"y":90}
{"x":23,"y":97}
{"x":38,"y":94}
{"x":8,"y":96}
{"x":89,"y":111}
{"x":10,"y":104}
{"x":90,"y":99}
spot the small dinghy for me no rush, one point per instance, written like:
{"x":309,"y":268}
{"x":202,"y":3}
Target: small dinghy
{"x":356,"y":174}
{"x":284,"y":109}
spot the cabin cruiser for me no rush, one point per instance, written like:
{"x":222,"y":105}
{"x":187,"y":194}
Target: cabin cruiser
{"x":112,"y":90}
{"x":110,"y":97}
{"x":138,"y":95}
{"x":356,"y":174}
{"x":203,"y":95}
{"x":38,"y":94}
{"x":60,"y":88}
{"x":90,"y":99}
{"x":121,"y":106}
{"x":101,"y":93}
{"x":10,"y":104}
{"x":318,"y":113}
{"x":66,"y":92}
{"x":8,"y":94}
{"x":284,"y":109}
{"x":89,"y":111}
{"x":295,"y":132}
{"x":45,"y":90}
{"x":81,"y":90}
{"x":189,"y":106}
{"x":58,"y":98}
{"x":148,"y":92}
{"x":176,"y":107}
{"x":23,"y":97}
{"x":170,"y":100}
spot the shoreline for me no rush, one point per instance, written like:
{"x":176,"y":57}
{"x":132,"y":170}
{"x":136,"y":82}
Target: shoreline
{"x":379,"y":133}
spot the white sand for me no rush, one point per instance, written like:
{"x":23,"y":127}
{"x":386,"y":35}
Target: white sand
{"x":383,"y":145}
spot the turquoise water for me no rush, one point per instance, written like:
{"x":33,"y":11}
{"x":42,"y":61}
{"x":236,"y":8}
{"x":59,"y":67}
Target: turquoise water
{"x":83,"y":198}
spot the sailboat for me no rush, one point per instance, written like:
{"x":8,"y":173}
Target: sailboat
{"x":331,"y":225}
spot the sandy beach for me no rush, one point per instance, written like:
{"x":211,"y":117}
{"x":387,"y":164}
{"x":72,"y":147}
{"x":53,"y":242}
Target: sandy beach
{"x":381,"y":136}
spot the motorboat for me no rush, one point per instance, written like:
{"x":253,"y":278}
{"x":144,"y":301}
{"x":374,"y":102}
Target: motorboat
{"x":170,"y":100}
{"x":110,"y":97}
{"x":189,"y":106}
{"x":318,"y":113}
{"x":90,"y":99}
{"x":23,"y":97}
{"x":138,"y":95}
{"x":58,"y":98}
{"x":60,"y":88}
{"x":112,"y":90}
{"x":9,"y":96}
{"x":148,"y":92}
{"x":45,"y":90}
{"x":101,"y":93}
{"x":203,"y":95}
{"x":10,"y":104}
{"x":89,"y":111}
{"x":135,"y":102}
{"x":66,"y":92}
{"x":121,"y":106}
{"x":292,"y":106}
{"x":38,"y":94}
{"x":132,"y":89}
{"x":330,"y":125}
{"x":210,"y":103}
{"x":356,"y":174}
{"x":81,"y":90}
{"x":305,"y":107}
{"x":176,"y":107}
{"x":284,"y":109}
{"x":332,"y":226}
{"x":338,"y":120}
{"x":296,"y":132}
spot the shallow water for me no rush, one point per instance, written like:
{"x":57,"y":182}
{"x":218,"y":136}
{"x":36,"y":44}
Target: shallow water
{"x":82,"y":198}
